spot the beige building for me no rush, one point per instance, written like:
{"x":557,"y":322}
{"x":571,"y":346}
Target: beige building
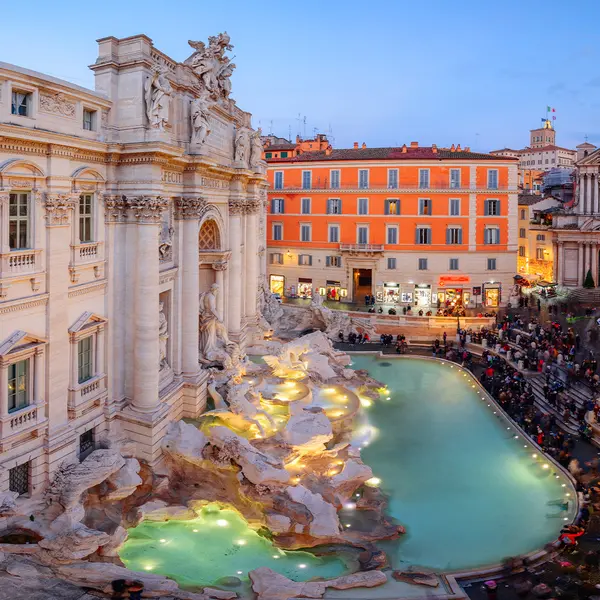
{"x":118,"y":208}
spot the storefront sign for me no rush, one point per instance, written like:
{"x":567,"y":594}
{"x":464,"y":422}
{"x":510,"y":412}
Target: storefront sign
{"x":454,"y":280}
{"x":477,"y":291}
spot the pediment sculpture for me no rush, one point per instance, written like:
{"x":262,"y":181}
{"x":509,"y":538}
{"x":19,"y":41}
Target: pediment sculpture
{"x":157,"y":95}
{"x":211,"y":66}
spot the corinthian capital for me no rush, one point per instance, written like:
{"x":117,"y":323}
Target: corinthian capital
{"x":190,"y":208}
{"x":147,"y":209}
{"x":253,"y":205}
{"x":58,"y":209}
{"x":115,"y":208}
{"x":237,"y":206}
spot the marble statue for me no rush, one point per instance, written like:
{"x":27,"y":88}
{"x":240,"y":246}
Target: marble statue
{"x":240,"y":405}
{"x":163,"y":335}
{"x":157,"y":95}
{"x":215,"y":345}
{"x":200,"y":124}
{"x":270,"y":309}
{"x":165,"y":243}
{"x":211,"y":66}
{"x":256,"y":149}
{"x":241,"y":146}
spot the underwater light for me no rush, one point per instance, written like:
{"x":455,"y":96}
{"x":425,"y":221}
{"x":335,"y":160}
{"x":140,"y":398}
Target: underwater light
{"x":350,"y":505}
{"x":534,"y":456}
{"x":545,"y":466}
{"x":222,"y":523}
{"x":563,"y":485}
{"x":163,"y":541}
{"x":365,"y":402}
{"x":302,"y":566}
{"x":276,"y":556}
{"x":241,"y":542}
{"x":239,"y":572}
{"x":347,"y":524}
{"x":148,"y":568}
{"x":194,"y":530}
{"x":373,"y":482}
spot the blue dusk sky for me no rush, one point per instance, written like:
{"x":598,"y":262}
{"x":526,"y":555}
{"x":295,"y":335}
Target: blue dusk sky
{"x":475,"y":72}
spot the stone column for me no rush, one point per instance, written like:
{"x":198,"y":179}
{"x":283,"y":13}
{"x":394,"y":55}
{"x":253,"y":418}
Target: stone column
{"x":237,"y":207}
{"x":588,"y":193}
{"x":251,"y":256}
{"x":74,"y":363}
{"x":145,"y":212}
{"x":189,"y":211}
{"x":559,"y":268}
{"x":39,"y":359}
{"x":3,"y":388}
{"x":219,"y":268}
{"x":100,"y":351}
{"x":580,"y":264}
{"x":58,"y":211}
{"x":4,"y":202}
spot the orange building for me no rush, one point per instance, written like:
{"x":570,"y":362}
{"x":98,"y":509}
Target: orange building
{"x":409,"y":225}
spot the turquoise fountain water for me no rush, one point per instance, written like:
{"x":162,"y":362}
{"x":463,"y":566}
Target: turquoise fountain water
{"x":219,"y":543}
{"x":468,"y":492}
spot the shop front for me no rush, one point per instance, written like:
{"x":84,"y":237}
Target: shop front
{"x":492,"y":294}
{"x":277,"y":284}
{"x":453,"y":291}
{"x":422,"y":295}
{"x":391,"y":293}
{"x":333,"y":290}
{"x":305,"y":288}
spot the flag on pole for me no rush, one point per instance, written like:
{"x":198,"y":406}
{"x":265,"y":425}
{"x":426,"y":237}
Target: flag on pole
{"x":553,"y":118}
{"x":548,"y":109}
{"x":544,"y":119}
{"x":553,"y":110}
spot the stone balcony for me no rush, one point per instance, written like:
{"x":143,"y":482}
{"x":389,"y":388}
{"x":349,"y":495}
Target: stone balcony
{"x":89,"y":255}
{"x":362,"y":249}
{"x":86,"y":396}
{"x":19,"y":263}
{"x":22,"y":423}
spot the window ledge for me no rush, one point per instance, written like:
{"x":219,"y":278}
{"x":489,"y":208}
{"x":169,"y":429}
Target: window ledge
{"x":87,"y":395}
{"x":25,"y":420}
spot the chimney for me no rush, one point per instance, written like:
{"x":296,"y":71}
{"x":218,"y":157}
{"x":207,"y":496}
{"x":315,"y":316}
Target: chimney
{"x":467,"y":149}
{"x":452,"y":148}
{"x":434,"y":148}
{"x":355,"y":145}
{"x":458,"y":148}
{"x":404,"y":149}
{"x":414,"y":144}
{"x":328,"y":150}
{"x":363,"y":146}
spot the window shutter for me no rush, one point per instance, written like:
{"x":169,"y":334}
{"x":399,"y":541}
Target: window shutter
{"x":387,"y":207}
{"x":417,"y":236}
{"x":310,"y":259}
{"x":486,"y":210}
{"x":340,"y":205}
{"x":339,"y":261}
{"x":328,"y":261}
{"x":448,"y":236}
{"x":272,"y":206}
{"x":398,"y":212}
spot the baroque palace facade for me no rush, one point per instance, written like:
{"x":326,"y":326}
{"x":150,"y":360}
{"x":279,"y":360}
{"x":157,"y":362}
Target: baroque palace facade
{"x":411,"y":225}
{"x":118,"y":208}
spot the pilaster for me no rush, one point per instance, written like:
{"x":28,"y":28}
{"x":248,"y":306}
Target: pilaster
{"x":237,"y":207}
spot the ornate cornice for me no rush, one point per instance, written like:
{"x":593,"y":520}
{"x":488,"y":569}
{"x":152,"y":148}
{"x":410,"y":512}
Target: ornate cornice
{"x":190,"y":208}
{"x":23,"y":304}
{"x":147,"y":209}
{"x":58,"y":209}
{"x":87,"y":288}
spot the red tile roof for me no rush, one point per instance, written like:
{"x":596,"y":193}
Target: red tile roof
{"x":277,"y":147}
{"x":545,"y":149}
{"x":424,"y":153}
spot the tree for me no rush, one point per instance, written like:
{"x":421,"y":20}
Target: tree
{"x":588,"y":284}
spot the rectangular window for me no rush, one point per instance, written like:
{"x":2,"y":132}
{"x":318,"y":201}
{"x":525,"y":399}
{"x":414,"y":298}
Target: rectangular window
{"x":363,"y":206}
{"x":522,"y":232}
{"x":19,"y":395}
{"x":492,"y":208}
{"x":393,"y":179}
{"x":268,"y":155}
{"x":362,"y":235}
{"x":85,"y":363}
{"x":363,"y":179}
{"x":277,"y":232}
{"x":454,"y":235}
{"x":334,"y":234}
{"x":85,"y":218}
{"x":424,"y":179}
{"x":334,"y":206}
{"x":540,"y":237}
{"x":305,"y":233}
{"x":18,"y":479}
{"x":454,"y":207}
{"x":391,"y":264}
{"x":305,"y":260}
{"x":392,"y":207}
{"x":86,"y":444}
{"x":335,"y":179}
{"x":491,"y":235}
{"x":492,"y":179}
{"x":333,"y":261}
{"x":454,"y":178}
{"x":423,"y":235}
{"x":491,"y":264}
{"x":424,"y":206}
{"x":539,"y":253}
{"x":21,"y":103}
{"x":422,"y":264}
{"x":18,"y":221}
{"x":522,"y":214}
{"x":306,"y":180}
{"x":284,"y":155}
{"x":276,"y":258}
{"x":522,"y":251}
{"x":453,"y":264}
{"x":392,"y":235}
{"x":277,"y":206}
{"x":278,"y":180}
{"x":305,"y":209}
{"x":89,"y":119}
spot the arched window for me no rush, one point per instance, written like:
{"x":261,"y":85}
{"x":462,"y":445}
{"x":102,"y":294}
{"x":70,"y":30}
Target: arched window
{"x":209,"y":237}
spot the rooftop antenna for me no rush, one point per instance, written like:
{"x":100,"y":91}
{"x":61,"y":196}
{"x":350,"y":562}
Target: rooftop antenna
{"x":271,"y":127}
{"x":330,"y":135}
{"x":289,"y":133}
{"x":315,"y":129}
{"x":299,"y":120}
{"x":304,"y":122}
